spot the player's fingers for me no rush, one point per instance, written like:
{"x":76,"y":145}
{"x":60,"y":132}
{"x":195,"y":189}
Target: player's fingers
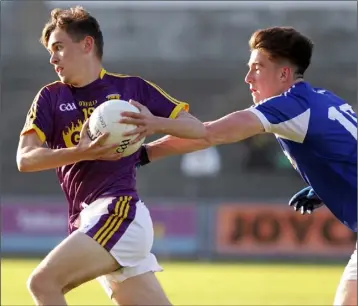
{"x":130,"y":115}
{"x":299,"y":196}
{"x":136,"y":104}
{"x":85,"y":124}
{"x":137,"y":130}
{"x":310,"y":208}
{"x":137,"y":139}
{"x":84,"y":130}
{"x":303,"y":210}
{"x":133,"y":121}
{"x":293,"y":201}
{"x":100,"y":139}
{"x":299,"y":204}
{"x":296,"y":198}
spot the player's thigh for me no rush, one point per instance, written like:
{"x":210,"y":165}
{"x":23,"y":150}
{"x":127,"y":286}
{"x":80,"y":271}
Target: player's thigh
{"x":347,"y":289}
{"x":142,"y":289}
{"x":135,"y":284}
{"x":76,"y":260}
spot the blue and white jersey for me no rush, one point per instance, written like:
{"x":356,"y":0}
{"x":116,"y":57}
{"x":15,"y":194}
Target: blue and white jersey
{"x":317,"y":131}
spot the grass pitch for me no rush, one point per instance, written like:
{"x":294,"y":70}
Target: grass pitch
{"x":203,"y":284}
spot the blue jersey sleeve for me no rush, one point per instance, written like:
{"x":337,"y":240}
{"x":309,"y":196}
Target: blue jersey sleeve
{"x":285,"y":116}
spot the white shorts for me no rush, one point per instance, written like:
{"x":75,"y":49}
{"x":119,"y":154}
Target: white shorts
{"x":124,"y":228}
{"x":350,"y":272}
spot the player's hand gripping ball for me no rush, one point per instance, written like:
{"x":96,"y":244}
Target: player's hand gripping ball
{"x":305,"y":201}
{"x":105,"y":119}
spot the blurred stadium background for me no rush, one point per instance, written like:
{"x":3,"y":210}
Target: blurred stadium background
{"x":223,"y":210}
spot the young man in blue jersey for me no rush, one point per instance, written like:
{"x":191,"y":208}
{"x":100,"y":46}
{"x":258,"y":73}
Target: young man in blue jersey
{"x":111,"y":231}
{"x":316,"y":130}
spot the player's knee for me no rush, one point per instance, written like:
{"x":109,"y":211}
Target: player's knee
{"x":41,"y":282}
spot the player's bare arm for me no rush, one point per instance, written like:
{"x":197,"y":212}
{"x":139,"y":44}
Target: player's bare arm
{"x":231,"y":128}
{"x":185,"y":125}
{"x":32,"y":156}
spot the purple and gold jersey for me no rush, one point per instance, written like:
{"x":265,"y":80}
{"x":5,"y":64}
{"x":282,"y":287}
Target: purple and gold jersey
{"x":57,"y":115}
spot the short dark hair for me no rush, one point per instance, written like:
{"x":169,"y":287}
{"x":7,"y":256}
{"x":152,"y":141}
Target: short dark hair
{"x":78,"y":24}
{"x":284,"y":43}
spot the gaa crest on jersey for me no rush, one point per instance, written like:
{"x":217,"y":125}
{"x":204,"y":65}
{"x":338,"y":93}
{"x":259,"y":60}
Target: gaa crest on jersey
{"x":115,"y":96}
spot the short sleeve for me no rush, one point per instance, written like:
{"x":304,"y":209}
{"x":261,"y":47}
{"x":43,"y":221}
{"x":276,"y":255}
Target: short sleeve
{"x":159,"y":102}
{"x":39,"y":117}
{"x":284,"y":116}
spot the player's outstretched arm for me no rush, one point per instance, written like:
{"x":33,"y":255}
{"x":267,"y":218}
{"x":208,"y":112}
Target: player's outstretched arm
{"x":184,"y":125}
{"x":32,"y":156}
{"x":228,"y":129}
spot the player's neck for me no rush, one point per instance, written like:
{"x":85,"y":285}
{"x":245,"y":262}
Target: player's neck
{"x":91,"y":74}
{"x":298,"y":80}
{"x":295,"y":81}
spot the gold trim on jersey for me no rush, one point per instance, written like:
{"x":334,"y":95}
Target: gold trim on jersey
{"x":38,"y":131}
{"x":102,"y":73}
{"x":114,"y":221}
{"x":184,"y":105}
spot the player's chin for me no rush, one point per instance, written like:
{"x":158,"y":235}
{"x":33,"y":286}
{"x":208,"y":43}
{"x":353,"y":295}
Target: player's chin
{"x":256,"y":97}
{"x":256,"y":100}
{"x":65,"y":79}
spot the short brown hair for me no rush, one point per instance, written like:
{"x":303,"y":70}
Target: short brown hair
{"x":284,"y":43}
{"x":78,"y":24}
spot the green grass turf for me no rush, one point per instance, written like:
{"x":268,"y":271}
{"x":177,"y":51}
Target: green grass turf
{"x":203,"y":284}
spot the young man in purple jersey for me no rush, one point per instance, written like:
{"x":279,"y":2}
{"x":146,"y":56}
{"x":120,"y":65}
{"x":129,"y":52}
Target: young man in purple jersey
{"x":111,"y":231}
{"x":316,"y":130}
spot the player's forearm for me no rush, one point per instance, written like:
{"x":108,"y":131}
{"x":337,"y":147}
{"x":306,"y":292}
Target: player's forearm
{"x":181,"y":127}
{"x":170,"y":146}
{"x":39,"y":159}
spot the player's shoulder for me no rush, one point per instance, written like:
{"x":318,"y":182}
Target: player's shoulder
{"x":54,"y":85}
{"x":328,"y":96}
{"x":120,"y":77}
{"x":286,"y":106}
{"x":50,"y":89}
{"x":135,"y":80}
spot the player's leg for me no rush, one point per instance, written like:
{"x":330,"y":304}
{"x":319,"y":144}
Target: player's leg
{"x":76,"y":260}
{"x":135,"y":283}
{"x":143,"y":289}
{"x":347,"y":289}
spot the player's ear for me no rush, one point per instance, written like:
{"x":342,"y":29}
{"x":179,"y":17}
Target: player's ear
{"x":285,"y":73}
{"x":88,"y":44}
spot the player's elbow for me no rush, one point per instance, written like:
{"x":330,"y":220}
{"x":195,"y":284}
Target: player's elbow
{"x":22,"y":162}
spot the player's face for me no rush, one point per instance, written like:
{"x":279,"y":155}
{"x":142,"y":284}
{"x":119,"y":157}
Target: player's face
{"x":265,"y":77}
{"x":67,"y":56}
